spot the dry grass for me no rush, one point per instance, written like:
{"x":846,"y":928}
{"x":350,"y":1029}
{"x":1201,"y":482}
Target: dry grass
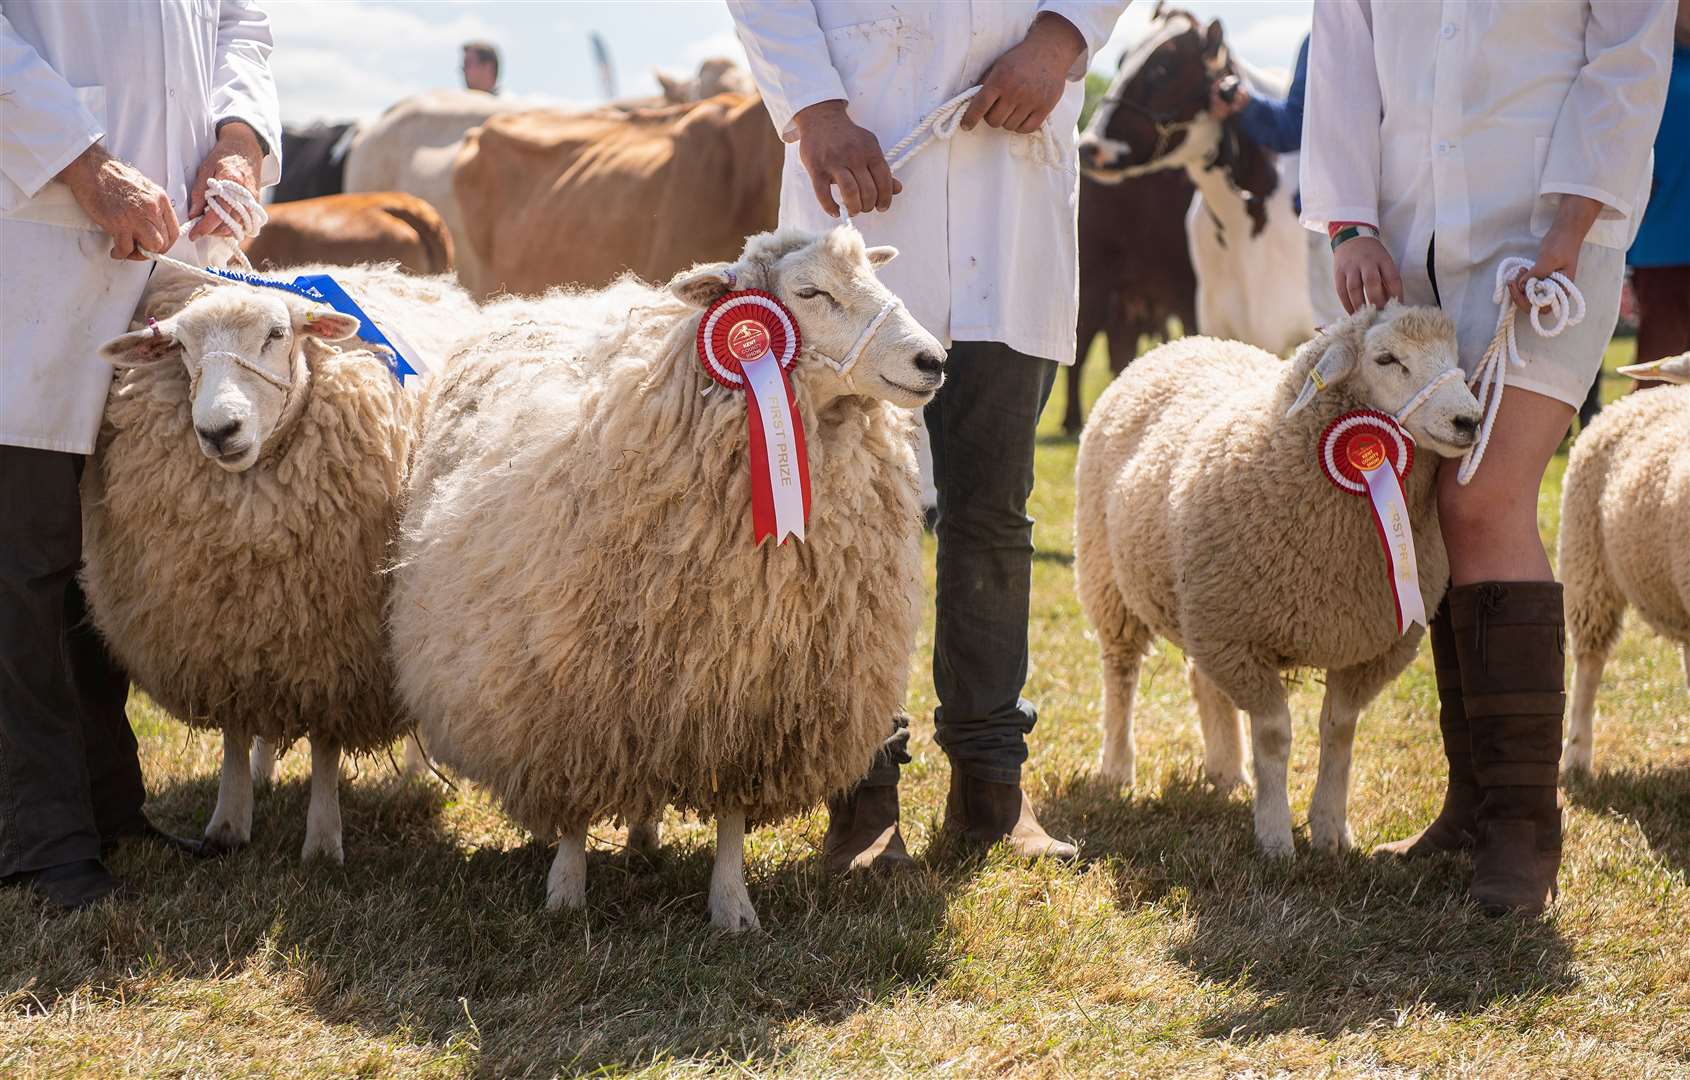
{"x":1171,"y":949}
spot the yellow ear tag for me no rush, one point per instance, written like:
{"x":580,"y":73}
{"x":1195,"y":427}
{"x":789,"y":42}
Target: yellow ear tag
{"x":1319,"y":383}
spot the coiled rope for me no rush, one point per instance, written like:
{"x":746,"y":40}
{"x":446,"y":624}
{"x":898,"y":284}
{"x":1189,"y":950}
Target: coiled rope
{"x":1565,"y":304}
{"x":238,"y":208}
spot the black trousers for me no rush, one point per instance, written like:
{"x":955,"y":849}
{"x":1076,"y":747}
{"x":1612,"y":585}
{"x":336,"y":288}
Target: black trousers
{"x":69,"y":772}
{"x":983,"y":427}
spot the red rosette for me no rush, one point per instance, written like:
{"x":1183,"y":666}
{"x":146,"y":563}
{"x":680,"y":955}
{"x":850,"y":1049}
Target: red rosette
{"x":1359,"y":441}
{"x":739,"y":328}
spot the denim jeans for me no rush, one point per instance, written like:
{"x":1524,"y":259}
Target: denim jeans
{"x":69,"y":774}
{"x":983,"y":426}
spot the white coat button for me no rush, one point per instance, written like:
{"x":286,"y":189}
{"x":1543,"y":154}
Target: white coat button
{"x":1448,"y":31}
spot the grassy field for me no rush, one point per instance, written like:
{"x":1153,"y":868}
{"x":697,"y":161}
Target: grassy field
{"x":1171,"y":948}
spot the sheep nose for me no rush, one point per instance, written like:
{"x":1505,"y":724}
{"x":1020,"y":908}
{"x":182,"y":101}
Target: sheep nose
{"x":1466,"y":427}
{"x":930,"y":363}
{"x":216,"y":437}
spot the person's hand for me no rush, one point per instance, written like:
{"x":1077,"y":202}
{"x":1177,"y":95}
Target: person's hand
{"x":1364,"y":273}
{"x":1221,"y":107}
{"x":128,"y":207}
{"x":1025,"y":84}
{"x":836,"y":152}
{"x":1559,"y":250}
{"x":237,"y":156}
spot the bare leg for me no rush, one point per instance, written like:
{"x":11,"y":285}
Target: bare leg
{"x":1223,"y":733}
{"x":730,"y":903}
{"x":1329,"y":826}
{"x":1579,"y":756}
{"x":1270,"y":735}
{"x":231,"y":823}
{"x":644,"y":835}
{"x":1120,"y":683}
{"x":322,"y":818}
{"x":263,"y":762}
{"x":566,"y":885}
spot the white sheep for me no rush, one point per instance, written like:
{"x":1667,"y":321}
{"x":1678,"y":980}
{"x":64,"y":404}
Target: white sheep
{"x":1203,"y":517}
{"x":580,"y":620}
{"x":1625,"y":535}
{"x":239,"y":509}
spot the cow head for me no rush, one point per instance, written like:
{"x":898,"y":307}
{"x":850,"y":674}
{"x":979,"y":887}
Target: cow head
{"x":243,"y":348}
{"x":1385,"y":359}
{"x":858,"y":338}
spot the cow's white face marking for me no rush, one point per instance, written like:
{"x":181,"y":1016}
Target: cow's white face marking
{"x":1190,"y":137}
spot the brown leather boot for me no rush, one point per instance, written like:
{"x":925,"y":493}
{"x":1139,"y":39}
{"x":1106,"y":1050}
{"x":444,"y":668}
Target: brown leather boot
{"x":1510,"y":638}
{"x":1453,"y":828}
{"x":984,"y":812}
{"x":862,"y":831}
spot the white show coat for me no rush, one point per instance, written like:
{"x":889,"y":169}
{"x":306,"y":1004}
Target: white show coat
{"x":987,"y":241}
{"x":1470,"y":121}
{"x":151,"y":81}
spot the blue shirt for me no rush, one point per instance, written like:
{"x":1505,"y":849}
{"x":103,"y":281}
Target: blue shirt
{"x":1663,"y":239}
{"x":1278,"y":125}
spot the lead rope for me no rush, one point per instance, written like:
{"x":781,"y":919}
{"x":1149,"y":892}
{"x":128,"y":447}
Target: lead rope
{"x":238,"y":208}
{"x":1490,"y":378}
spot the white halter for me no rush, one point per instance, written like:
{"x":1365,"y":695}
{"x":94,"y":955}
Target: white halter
{"x":844,"y":366}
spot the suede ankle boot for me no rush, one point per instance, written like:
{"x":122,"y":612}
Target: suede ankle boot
{"x":984,"y":812}
{"x":1453,"y":828}
{"x":862,"y":831}
{"x":1510,"y":637}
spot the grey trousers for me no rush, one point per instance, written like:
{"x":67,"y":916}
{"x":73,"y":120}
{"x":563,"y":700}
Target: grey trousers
{"x":69,"y":773}
{"x":983,"y":425}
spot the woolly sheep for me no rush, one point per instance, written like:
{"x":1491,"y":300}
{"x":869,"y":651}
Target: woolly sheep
{"x":580,"y":621}
{"x":239,"y":582}
{"x":1625,"y":535}
{"x":1201,"y":516}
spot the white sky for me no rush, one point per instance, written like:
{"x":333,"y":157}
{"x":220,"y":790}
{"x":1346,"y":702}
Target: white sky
{"x":339,"y":59}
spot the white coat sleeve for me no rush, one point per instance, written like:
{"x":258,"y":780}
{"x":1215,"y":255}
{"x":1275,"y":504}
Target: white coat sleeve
{"x":1094,"y":19}
{"x":1606,"y":127}
{"x":1342,"y":113}
{"x":788,"y":56}
{"x":242,"y":87}
{"x":43,"y":125}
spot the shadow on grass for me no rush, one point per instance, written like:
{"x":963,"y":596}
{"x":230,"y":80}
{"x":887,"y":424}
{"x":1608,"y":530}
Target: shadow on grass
{"x":1326,"y":943}
{"x":1658,"y":800}
{"x":419,"y":940}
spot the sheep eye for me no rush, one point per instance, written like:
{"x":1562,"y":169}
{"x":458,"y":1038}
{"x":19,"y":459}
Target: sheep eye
{"x":810,"y":292}
{"x":1387,"y":359}
{"x":276,"y":334}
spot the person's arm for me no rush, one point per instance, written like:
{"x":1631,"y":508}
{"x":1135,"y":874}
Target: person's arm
{"x":244,"y":111}
{"x":1277,"y":125}
{"x":1094,"y":19}
{"x":1341,"y":157}
{"x":43,"y":126}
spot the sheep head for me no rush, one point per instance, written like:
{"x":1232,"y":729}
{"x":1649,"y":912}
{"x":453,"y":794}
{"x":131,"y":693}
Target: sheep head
{"x":828,"y":282}
{"x":1384,"y":358}
{"x":1672,"y":369}
{"x":243,"y":348}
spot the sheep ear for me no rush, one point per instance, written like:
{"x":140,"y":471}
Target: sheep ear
{"x":1672,"y":369}
{"x":1335,"y":365}
{"x":326,"y":324}
{"x":703,"y":285}
{"x":150,"y":346}
{"x":673,"y":92}
{"x":880,"y":256}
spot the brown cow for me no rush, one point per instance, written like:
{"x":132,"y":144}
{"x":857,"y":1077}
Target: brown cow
{"x":1135,"y":270}
{"x":375,"y":226}
{"x":550,"y":198}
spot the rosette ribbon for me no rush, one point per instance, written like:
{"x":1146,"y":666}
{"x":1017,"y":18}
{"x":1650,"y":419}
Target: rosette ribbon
{"x":1364,"y":452}
{"x":748,"y":341}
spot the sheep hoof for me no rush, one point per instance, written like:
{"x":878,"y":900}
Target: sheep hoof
{"x":1228,"y":783}
{"x":1118,"y":773}
{"x":1277,"y":847}
{"x":224,"y":837}
{"x":1577,"y":764}
{"x":1333,"y":839}
{"x":323,"y":848}
{"x":731,"y":910}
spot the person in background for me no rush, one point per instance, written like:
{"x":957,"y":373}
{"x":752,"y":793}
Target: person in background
{"x":1660,"y":257}
{"x":481,"y":67}
{"x":106,"y":146}
{"x":1435,"y":149}
{"x":989,"y":264}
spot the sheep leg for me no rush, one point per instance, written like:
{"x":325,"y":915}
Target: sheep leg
{"x":566,"y":883}
{"x":1120,"y":683}
{"x":730,"y":903}
{"x":1580,"y":753}
{"x":1329,"y":824}
{"x":231,"y":823}
{"x":1223,"y":734}
{"x":416,"y":760}
{"x":322,"y":818}
{"x":644,"y":834}
{"x":263,"y":762}
{"x":1270,"y":739}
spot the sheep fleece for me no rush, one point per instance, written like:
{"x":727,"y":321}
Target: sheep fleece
{"x":580,"y":620}
{"x":252,"y":601}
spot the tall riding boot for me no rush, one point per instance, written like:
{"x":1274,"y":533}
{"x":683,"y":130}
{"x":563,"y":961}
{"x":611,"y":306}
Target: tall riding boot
{"x":1510,"y":636}
{"x":862,"y":823}
{"x":1453,"y":828}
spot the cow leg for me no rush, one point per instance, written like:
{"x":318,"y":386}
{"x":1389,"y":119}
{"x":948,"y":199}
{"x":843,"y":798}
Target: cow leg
{"x":231,"y":823}
{"x":322,"y":817}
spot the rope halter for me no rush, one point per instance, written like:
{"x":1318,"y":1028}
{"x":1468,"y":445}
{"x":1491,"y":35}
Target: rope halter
{"x":844,"y":366}
{"x":1565,"y":305}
